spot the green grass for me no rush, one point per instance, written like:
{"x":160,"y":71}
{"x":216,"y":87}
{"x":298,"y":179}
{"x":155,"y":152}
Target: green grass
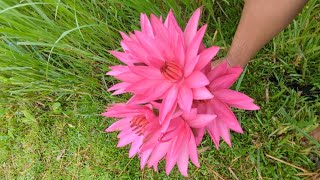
{"x":53,"y":59}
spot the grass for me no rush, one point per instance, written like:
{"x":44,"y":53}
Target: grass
{"x":53,"y":59}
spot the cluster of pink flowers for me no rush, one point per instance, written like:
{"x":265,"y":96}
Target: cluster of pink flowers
{"x":177,"y":96}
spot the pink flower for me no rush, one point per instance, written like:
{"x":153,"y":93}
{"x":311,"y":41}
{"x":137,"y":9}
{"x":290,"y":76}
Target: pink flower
{"x":221,"y":79}
{"x":162,"y":62}
{"x":178,"y":143}
{"x":137,"y":124}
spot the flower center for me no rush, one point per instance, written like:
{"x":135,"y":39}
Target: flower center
{"x":171,"y":71}
{"x":138,"y":124}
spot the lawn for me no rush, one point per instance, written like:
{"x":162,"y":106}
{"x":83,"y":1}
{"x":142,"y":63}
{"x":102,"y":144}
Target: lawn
{"x":53,"y":60}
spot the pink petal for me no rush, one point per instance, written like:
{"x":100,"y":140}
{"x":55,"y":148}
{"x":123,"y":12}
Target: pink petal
{"x":199,"y":135}
{"x":129,"y":77}
{"x":122,"y":56}
{"x":201,"y":93}
{"x":235,"y":99}
{"x":193,"y":151}
{"x":197,"y":80}
{"x":218,"y":71}
{"x":224,"y":132}
{"x":137,"y":99}
{"x":125,"y":36}
{"x":214,"y":133}
{"x":121,"y":85}
{"x":149,"y":44}
{"x":119,"y":125}
{"x":190,"y":64}
{"x":158,"y":28}
{"x":158,"y":153}
{"x":137,"y":50}
{"x":206,"y":57}
{"x":167,"y":119}
{"x":223,"y":82}
{"x":168,"y":103}
{"x":185,"y":98}
{"x":201,"y":120}
{"x":193,"y":48}
{"x":147,"y":72}
{"x":116,"y":70}
{"x":143,"y":86}
{"x":180,"y":51}
{"x":127,"y":140}
{"x":172,"y":132}
{"x":146,"y":27}
{"x":172,"y":19}
{"x":135,"y":146}
{"x":192,"y":26}
{"x":183,"y":160}
{"x":144,"y":156}
{"x":226,"y":115}
{"x":201,"y":48}
{"x":171,"y":158}
{"x":235,"y":70}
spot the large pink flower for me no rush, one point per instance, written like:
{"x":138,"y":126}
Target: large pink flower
{"x":162,"y":62}
{"x":221,"y":79}
{"x":137,"y":124}
{"x":178,"y":143}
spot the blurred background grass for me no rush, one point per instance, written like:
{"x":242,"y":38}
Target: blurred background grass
{"x":53,"y":59}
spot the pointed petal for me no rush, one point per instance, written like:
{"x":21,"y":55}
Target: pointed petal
{"x":235,"y":70}
{"x":142,"y":86}
{"x":171,"y":159}
{"x":129,"y":77}
{"x":185,"y":98}
{"x":218,"y":71}
{"x":199,"y":135}
{"x":158,"y":28}
{"x":192,"y":26}
{"x":201,"y":93}
{"x":226,"y":115}
{"x":223,"y":82}
{"x":144,"y":156}
{"x":135,"y":146}
{"x":192,"y":147}
{"x":146,"y":27}
{"x":172,"y":20}
{"x":146,"y":72}
{"x":168,"y":103}
{"x":119,"y":125}
{"x":235,"y":99}
{"x":122,"y":56}
{"x":158,"y":153}
{"x":193,"y":48}
{"x":206,"y":57}
{"x":214,"y":133}
{"x":149,"y":44}
{"x":116,"y":70}
{"x":201,"y":120}
{"x":197,"y":80}
{"x":126,"y":140}
{"x":121,"y":85}
{"x":190,"y":63}
{"x":183,"y":160}
{"x":224,"y":132}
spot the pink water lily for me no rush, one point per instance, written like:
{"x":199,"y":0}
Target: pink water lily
{"x":177,"y":97}
{"x":164,"y":63}
{"x":136,"y":124}
{"x":178,"y":144}
{"x":221,"y":79}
